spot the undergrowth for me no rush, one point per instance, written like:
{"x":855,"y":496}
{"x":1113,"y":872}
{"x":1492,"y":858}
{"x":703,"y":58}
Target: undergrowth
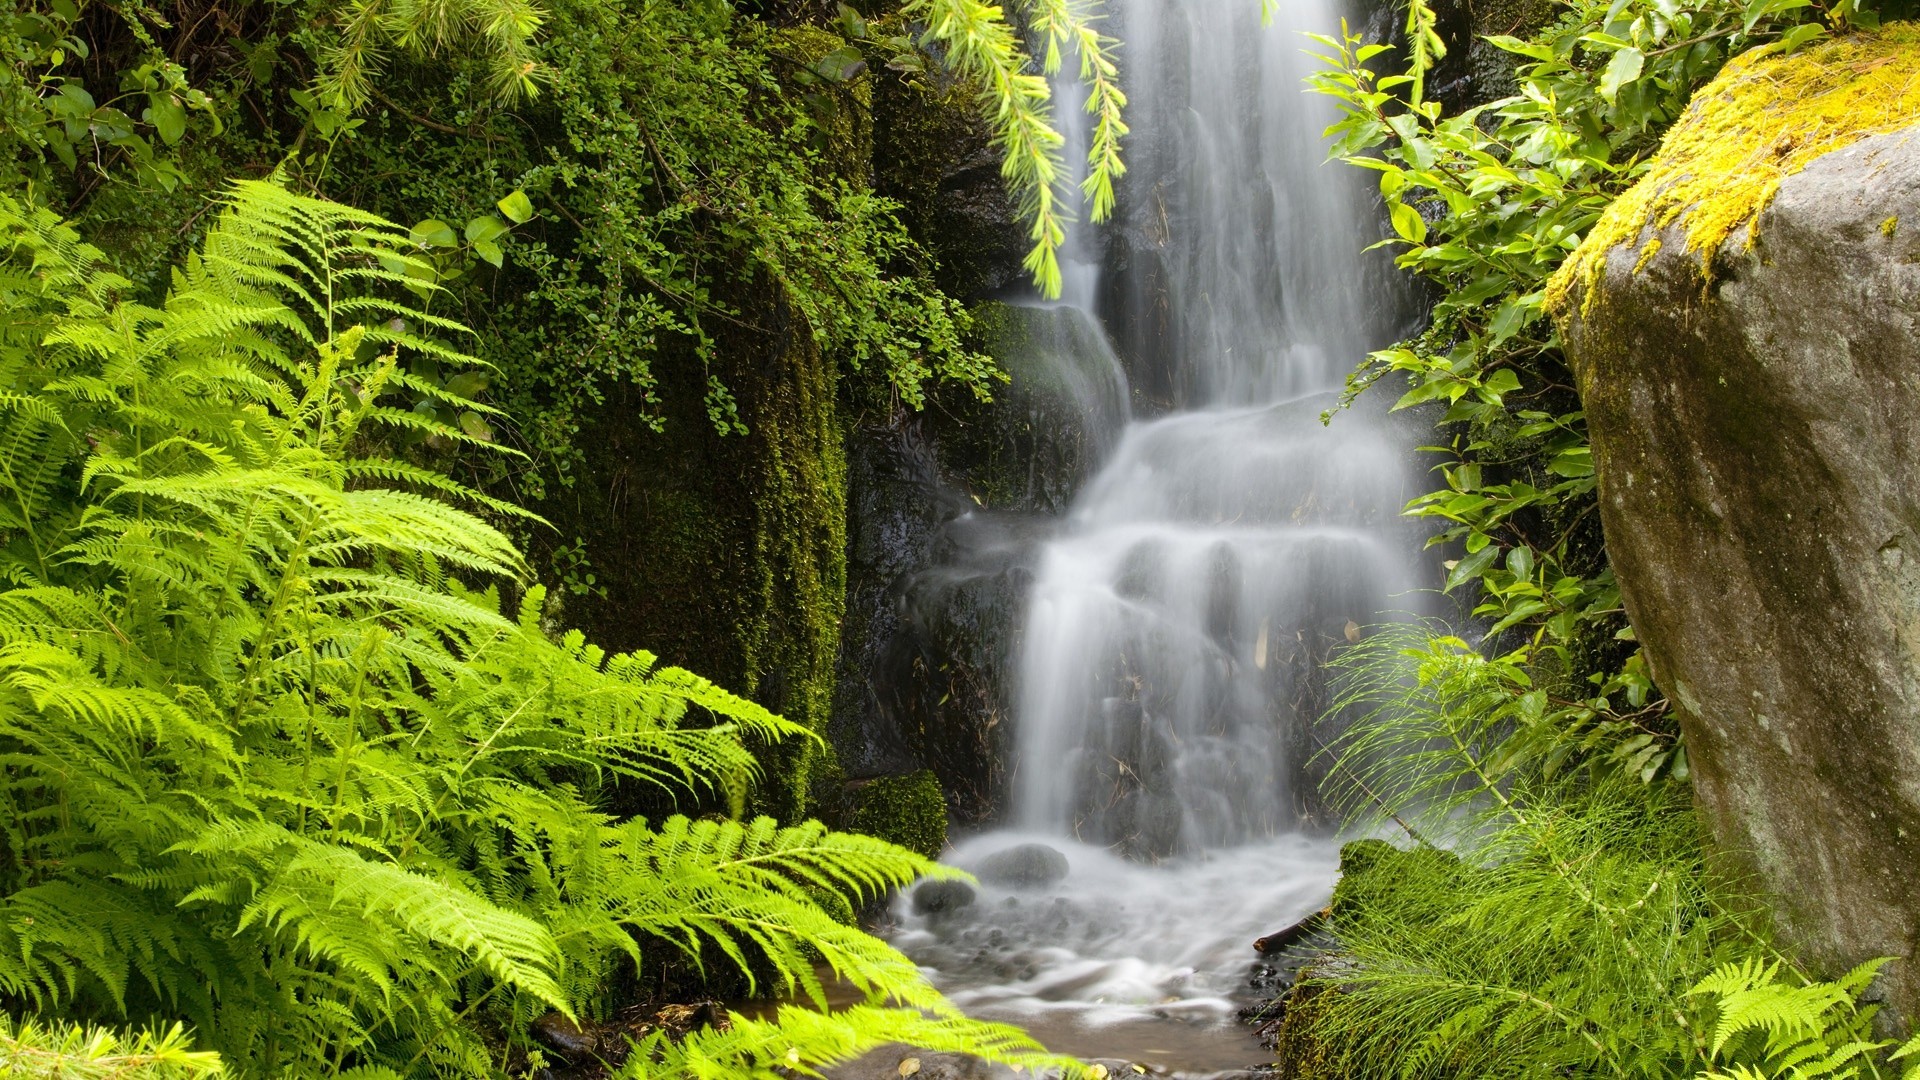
{"x":1552,"y":914}
{"x":285,"y":753}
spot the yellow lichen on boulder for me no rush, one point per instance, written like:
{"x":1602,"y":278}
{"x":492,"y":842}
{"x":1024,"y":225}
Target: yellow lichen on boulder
{"x":1765,"y":118}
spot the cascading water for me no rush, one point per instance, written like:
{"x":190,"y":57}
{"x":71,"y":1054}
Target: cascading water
{"x":1178,"y":616}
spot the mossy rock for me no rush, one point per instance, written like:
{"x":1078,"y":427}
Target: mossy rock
{"x":1745,"y":329}
{"x":1764,"y":119}
{"x":1376,"y":876}
{"x":906,"y":810}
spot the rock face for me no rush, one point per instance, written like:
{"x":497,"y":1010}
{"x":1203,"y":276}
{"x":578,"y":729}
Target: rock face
{"x":1757,"y":437}
{"x":945,"y":508}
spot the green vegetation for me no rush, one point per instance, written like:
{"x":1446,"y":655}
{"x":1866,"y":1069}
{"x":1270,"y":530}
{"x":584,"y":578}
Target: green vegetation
{"x":304,"y":775}
{"x":906,"y":810}
{"x":1489,"y":205}
{"x":280,"y":766}
{"x":1549,"y":909}
{"x":1567,"y":925}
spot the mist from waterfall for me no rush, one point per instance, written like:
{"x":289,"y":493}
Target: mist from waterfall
{"x":1179,"y":614}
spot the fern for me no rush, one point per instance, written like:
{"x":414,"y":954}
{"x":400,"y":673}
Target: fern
{"x":1772,"y":1028}
{"x":281,"y":760}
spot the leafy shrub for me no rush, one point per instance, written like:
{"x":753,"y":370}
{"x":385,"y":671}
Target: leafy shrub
{"x":1488,"y":204}
{"x":281,"y":759}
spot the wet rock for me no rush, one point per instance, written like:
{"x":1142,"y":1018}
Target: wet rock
{"x":1027,"y":866}
{"x":565,"y":1037}
{"x":941,"y":897}
{"x":1754,"y":434}
{"x":896,"y":1062}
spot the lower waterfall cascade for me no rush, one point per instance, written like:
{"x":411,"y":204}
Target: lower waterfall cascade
{"x":1163,"y":812}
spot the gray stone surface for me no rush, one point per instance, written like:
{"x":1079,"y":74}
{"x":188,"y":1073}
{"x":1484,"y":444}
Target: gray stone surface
{"x":1024,"y":866}
{"x":1758,"y":446}
{"x":942,"y":897}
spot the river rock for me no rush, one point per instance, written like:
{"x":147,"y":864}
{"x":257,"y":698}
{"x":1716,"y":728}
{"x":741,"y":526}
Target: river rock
{"x":1026,"y":866}
{"x":941,"y":897}
{"x":1757,"y":440}
{"x":575,"y":1044}
{"x":898,"y":1062}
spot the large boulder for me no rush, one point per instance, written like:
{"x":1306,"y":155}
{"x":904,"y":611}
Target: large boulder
{"x":1752,"y":383}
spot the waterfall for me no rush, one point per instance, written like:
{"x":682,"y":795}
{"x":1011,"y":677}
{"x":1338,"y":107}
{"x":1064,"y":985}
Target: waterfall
{"x":1180,"y":611}
{"x":1220,"y":542}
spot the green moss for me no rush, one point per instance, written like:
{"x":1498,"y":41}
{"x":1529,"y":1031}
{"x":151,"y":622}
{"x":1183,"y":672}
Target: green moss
{"x":797,"y":577}
{"x":1890,"y":226}
{"x":907,"y":810}
{"x":1762,"y":120}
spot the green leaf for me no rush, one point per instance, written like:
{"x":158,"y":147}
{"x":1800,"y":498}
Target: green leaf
{"x":517,"y":207}
{"x":490,"y":251}
{"x":1761,"y":9}
{"x":1408,"y":223}
{"x":841,"y":65}
{"x":168,"y":116}
{"x":852,"y":25}
{"x":1520,"y":561}
{"x":476,"y":425}
{"x":1471,"y":567}
{"x":486,"y":228}
{"x":1621,"y":70}
{"x":433,"y":233}
{"x":1501,"y":383}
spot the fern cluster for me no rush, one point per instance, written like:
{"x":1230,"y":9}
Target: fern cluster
{"x":1551,"y":914}
{"x":279,"y":758}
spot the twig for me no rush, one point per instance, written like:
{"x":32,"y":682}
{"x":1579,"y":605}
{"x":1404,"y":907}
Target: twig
{"x":423,"y":121}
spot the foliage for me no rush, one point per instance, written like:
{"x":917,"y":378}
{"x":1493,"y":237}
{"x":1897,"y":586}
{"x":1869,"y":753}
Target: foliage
{"x":1488,"y":204}
{"x":46,"y":117}
{"x":1551,"y":918}
{"x":1770,"y":1026}
{"x":696,"y":193}
{"x":502,"y":30}
{"x":682,"y":171}
{"x":983,"y":45}
{"x":1561,"y":936}
{"x":277,"y":766}
{"x":75,"y":1052}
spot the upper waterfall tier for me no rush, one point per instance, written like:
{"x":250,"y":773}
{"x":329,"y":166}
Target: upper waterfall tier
{"x":1243,"y":243}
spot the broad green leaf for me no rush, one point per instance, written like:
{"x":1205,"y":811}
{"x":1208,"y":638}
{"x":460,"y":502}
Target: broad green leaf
{"x":433,"y":233}
{"x":1408,"y":223}
{"x":1471,"y":567}
{"x":476,"y":425}
{"x":1621,"y":70}
{"x":485,"y":228}
{"x":517,"y":207}
{"x":168,"y":116}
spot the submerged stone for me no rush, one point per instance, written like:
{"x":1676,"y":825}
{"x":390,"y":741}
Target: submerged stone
{"x":1026,"y":866}
{"x":940,"y":897}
